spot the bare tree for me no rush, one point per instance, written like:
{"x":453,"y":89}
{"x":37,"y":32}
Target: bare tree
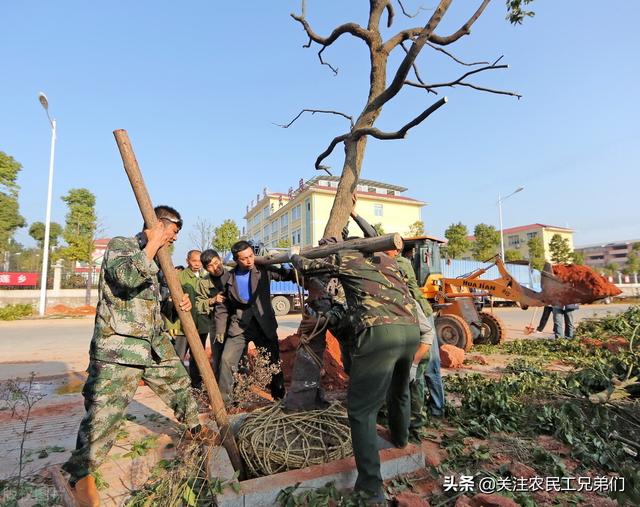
{"x":411,"y":41}
{"x":202,"y":235}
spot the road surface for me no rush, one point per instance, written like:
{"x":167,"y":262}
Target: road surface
{"x":59,"y":346}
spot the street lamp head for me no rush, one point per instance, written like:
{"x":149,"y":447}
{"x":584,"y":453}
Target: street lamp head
{"x":519,"y":189}
{"x":43,"y":100}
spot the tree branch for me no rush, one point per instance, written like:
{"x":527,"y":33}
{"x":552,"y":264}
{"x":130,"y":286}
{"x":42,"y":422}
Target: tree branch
{"x":402,"y":133}
{"x":415,"y":70}
{"x":460,"y":81}
{"x":390,"y":14}
{"x":314,"y":111}
{"x":463,"y":30}
{"x":406,"y":64}
{"x":377,"y":133}
{"x":328,"y":151}
{"x":334,"y":69}
{"x":412,"y":33}
{"x":431,"y":45}
{"x":351,"y":28}
{"x":404,"y":11}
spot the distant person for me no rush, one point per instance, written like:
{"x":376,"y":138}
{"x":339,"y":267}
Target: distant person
{"x":210,"y":294}
{"x":544,"y":318}
{"x":566,"y":312}
{"x":190,"y":280}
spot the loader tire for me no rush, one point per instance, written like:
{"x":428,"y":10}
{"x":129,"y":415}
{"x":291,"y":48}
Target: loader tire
{"x":453,"y":330}
{"x":492,"y":331}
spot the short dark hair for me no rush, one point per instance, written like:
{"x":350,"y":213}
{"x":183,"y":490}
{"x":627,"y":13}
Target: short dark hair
{"x":191,"y":252}
{"x":179,"y":267}
{"x":168,"y":214}
{"x":207,"y":256}
{"x":238,"y":247}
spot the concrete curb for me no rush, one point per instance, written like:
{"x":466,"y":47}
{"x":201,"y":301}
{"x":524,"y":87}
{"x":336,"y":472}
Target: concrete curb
{"x":262,"y":492}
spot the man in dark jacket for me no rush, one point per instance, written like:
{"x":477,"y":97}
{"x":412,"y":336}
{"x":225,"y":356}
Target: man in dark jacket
{"x":248,"y":316}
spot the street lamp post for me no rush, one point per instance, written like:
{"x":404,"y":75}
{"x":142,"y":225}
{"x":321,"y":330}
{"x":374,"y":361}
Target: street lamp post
{"x":47,"y":224}
{"x":500,"y":199}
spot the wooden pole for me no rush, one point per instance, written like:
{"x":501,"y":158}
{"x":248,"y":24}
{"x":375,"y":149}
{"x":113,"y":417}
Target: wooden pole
{"x":175,"y":288}
{"x":367,"y":245}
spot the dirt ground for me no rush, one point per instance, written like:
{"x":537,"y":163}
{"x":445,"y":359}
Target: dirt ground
{"x":151,"y":432}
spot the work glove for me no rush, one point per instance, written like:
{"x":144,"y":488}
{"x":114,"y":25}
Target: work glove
{"x":328,"y":241}
{"x":220,"y":338}
{"x":413,"y":373}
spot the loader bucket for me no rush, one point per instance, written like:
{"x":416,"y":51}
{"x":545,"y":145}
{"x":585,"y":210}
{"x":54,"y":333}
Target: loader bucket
{"x":558,"y":293}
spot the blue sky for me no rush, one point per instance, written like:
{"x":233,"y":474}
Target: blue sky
{"x":198,"y":86}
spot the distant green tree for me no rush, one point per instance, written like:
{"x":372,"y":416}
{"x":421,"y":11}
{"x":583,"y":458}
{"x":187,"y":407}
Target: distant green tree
{"x":577,"y":258}
{"x":536,"y":252}
{"x":559,"y":249}
{"x":486,"y":242}
{"x":283,"y":243}
{"x":457,"y":240}
{"x":10,"y":218}
{"x":36,"y":231}
{"x":633,"y":261}
{"x":610,"y":269}
{"x":416,"y":229}
{"x":379,"y":229}
{"x":79,"y":231}
{"x":225,"y":235}
{"x":512,"y":255}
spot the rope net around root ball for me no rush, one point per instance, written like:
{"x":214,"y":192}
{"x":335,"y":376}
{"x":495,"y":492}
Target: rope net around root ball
{"x":272,"y":441}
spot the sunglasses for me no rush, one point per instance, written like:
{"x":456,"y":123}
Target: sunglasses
{"x":178,"y":222}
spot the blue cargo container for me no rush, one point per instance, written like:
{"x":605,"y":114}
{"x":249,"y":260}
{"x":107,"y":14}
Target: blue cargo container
{"x":285,"y":296}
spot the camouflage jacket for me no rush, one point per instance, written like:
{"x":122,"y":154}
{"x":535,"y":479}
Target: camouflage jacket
{"x":375,"y":290}
{"x":409,"y":275}
{"x":190,"y":284}
{"x":129,"y":323}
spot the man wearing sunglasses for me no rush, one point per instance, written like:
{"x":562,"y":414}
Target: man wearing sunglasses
{"x":130,"y":343}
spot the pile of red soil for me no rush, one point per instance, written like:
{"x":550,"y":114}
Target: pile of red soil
{"x":71,"y":311}
{"x":332,"y":374}
{"x":586,"y":279}
{"x":451,"y":357}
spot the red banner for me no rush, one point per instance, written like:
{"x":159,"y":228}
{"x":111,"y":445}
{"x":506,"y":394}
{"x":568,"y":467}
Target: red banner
{"x":19,"y":279}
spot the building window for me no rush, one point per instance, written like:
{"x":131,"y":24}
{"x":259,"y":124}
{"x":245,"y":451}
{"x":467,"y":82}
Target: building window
{"x":391,"y":192}
{"x":295,"y":237}
{"x":274,"y":227}
{"x":514,"y":241}
{"x":265,"y":212}
{"x":265,"y":233}
{"x":295,"y":213}
{"x":284,"y":220}
{"x":377,"y":210}
{"x":531,"y":235}
{"x":372,"y":189}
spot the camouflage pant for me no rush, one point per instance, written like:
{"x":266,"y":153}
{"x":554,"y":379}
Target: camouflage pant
{"x":108,"y":391}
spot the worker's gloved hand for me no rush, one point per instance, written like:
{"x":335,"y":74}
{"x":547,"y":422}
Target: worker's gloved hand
{"x":328,"y":241}
{"x":220,"y":338}
{"x":413,"y":372}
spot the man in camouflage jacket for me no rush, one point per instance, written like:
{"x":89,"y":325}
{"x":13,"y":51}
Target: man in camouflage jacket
{"x":383,"y":318}
{"x":129,"y":344}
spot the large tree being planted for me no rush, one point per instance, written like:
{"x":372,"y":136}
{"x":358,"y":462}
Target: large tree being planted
{"x":305,"y":392}
{"x":411,"y":41}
